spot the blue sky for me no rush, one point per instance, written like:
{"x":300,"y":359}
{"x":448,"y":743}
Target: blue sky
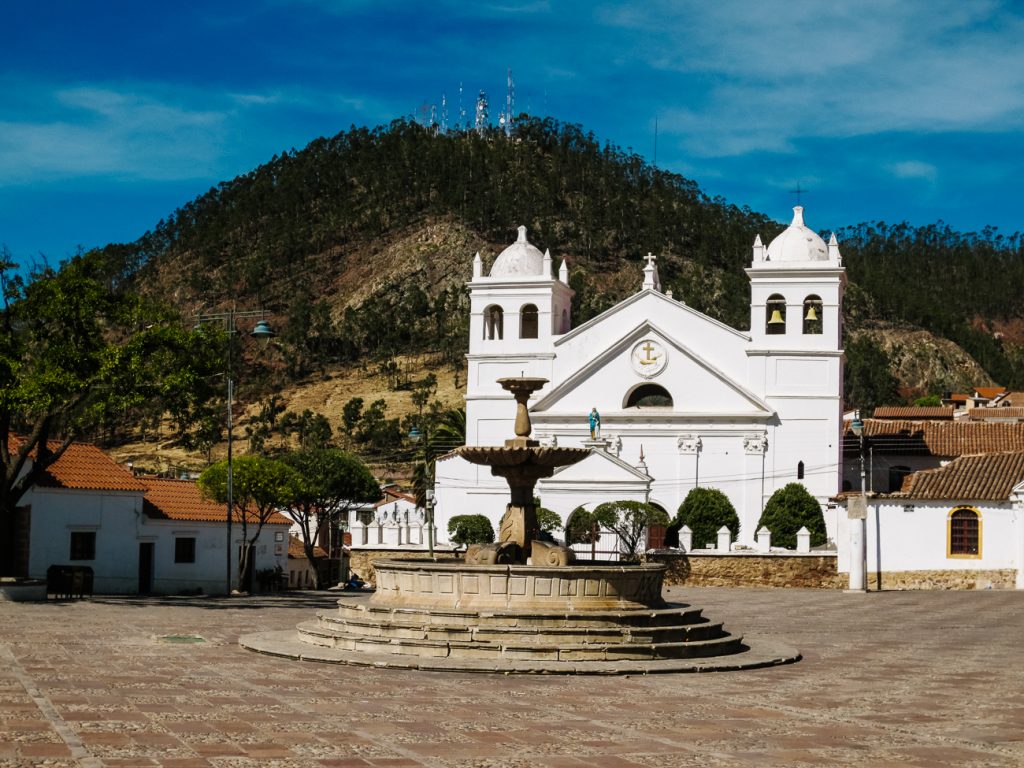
{"x":115,"y":113}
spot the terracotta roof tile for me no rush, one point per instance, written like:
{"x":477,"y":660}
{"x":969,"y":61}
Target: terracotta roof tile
{"x":989,"y":392}
{"x":986,"y":414}
{"x":182,"y":500}
{"x":913,"y":412}
{"x":83,"y":466}
{"x":298,"y":552}
{"x":391,"y":495}
{"x":937,"y":438}
{"x":990,"y":477}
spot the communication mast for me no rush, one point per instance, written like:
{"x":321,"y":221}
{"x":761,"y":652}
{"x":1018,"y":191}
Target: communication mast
{"x":462,"y":111}
{"x":510,"y":102}
{"x":481,"y":112}
{"x":444,"y":113}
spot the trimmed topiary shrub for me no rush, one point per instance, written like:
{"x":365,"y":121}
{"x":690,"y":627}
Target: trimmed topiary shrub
{"x":579,"y":527}
{"x":470,"y":529}
{"x":704,"y":511}
{"x":789,"y":509}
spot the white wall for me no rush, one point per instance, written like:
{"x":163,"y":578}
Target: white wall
{"x":120,"y":526}
{"x":915,"y":539}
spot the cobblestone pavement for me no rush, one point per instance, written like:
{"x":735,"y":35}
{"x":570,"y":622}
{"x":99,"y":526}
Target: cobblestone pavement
{"x":890,"y":679}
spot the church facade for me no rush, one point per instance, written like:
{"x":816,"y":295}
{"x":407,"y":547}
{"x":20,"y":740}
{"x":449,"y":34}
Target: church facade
{"x":681,"y":399}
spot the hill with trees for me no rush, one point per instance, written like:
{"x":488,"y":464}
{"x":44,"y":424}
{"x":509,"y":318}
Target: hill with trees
{"x":359,"y":246}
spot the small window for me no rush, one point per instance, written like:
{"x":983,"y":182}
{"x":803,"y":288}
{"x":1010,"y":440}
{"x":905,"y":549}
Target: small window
{"x":365,"y":516}
{"x":964,"y":533}
{"x":800,"y":470}
{"x":83,"y":545}
{"x":528,"y":322}
{"x":649,"y":396}
{"x":812,"y":315}
{"x":493,"y":322}
{"x":185,"y":549}
{"x":775,"y":315}
{"x":565,"y":322}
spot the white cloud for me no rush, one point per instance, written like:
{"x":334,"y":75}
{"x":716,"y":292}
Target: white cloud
{"x":914,"y":169}
{"x":767,"y":74}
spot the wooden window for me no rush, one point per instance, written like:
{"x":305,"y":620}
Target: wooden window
{"x":964,"y":533}
{"x":185,"y":549}
{"x":83,"y":545}
{"x":799,"y":470}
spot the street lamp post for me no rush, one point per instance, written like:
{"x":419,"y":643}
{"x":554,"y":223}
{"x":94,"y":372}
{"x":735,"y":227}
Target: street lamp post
{"x":262,"y":333}
{"x":857,"y":511}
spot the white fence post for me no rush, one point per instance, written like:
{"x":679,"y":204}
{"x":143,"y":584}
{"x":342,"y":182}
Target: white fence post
{"x":724,"y":539}
{"x":803,"y":540}
{"x":685,"y":538}
{"x":763,"y":538}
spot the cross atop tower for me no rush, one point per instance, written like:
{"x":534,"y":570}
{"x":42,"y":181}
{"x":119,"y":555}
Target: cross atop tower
{"x":650,"y":258}
{"x":798,"y":191}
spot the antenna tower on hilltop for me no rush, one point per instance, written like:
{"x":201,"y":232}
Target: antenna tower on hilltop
{"x":444,"y":113}
{"x":462,"y":111}
{"x":510,"y":101}
{"x":481,"y":112}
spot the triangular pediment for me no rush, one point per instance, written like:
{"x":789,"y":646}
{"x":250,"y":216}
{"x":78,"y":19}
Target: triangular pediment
{"x":600,"y":465}
{"x":696,"y":385}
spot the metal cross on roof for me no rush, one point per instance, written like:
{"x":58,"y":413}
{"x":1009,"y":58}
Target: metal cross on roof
{"x":798,"y":191}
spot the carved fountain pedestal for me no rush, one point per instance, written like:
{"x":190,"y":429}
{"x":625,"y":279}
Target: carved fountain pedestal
{"x":520,"y":605}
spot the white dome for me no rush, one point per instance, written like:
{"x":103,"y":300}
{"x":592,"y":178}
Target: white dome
{"x":521,"y":259}
{"x":797,"y":242}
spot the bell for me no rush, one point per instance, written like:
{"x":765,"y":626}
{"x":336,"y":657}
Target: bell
{"x":776,"y":318}
{"x":811,"y":314}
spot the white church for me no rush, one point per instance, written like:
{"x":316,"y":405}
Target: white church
{"x":683,"y":400}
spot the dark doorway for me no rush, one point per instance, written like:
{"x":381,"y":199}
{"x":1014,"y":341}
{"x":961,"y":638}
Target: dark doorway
{"x":145,"y":567}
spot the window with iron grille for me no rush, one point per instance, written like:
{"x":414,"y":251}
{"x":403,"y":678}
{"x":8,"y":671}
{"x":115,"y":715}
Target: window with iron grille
{"x":965,"y":533}
{"x":83,"y":545}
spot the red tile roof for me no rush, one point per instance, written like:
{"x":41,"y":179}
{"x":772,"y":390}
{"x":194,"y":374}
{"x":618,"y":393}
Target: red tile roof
{"x":985,"y":414}
{"x":392,"y":494}
{"x":937,"y":438}
{"x":990,"y":477}
{"x":83,"y":466}
{"x":913,"y":412}
{"x":181,"y":500}
{"x":297,"y":551}
{"x":989,"y":392}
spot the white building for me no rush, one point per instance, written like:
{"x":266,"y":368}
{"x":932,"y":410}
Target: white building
{"x":138,"y":534}
{"x":706,"y":404}
{"x":961,"y":525}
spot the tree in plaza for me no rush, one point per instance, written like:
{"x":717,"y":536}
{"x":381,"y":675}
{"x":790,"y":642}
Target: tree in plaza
{"x":788,"y":510}
{"x":470,"y":529}
{"x":76,"y":354}
{"x":331,"y":482}
{"x":704,"y":511}
{"x":580,"y":527}
{"x":260,"y":486}
{"x":630,"y":521}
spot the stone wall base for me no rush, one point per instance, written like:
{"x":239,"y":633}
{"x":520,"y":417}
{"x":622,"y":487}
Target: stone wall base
{"x":946,"y":579}
{"x":751,"y":570}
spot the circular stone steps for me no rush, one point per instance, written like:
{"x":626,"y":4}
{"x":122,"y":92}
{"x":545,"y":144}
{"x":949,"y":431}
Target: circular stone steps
{"x":450,"y":616}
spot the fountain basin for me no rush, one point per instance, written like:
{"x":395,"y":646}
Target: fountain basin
{"x":454,"y":585}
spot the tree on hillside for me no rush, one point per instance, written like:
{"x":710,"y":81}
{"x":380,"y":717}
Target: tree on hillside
{"x":630,"y":521}
{"x":75,"y":354}
{"x":260,"y":487}
{"x":868,"y":380}
{"x":788,"y":510}
{"x":704,"y":511}
{"x":331,"y":482}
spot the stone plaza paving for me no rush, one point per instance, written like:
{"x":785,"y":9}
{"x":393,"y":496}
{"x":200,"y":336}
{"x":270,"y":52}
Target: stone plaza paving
{"x":889,"y":679}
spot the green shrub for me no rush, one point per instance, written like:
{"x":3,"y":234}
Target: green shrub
{"x":789,"y":509}
{"x":548,"y":520}
{"x":704,"y":511}
{"x":579,"y":527}
{"x":470,"y":529}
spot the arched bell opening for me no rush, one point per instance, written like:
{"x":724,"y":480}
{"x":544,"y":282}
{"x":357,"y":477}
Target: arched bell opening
{"x":775,"y":315}
{"x":528,"y":322}
{"x":494,"y":321}
{"x":813,"y":315}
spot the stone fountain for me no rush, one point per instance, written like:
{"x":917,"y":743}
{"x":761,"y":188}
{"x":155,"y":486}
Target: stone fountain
{"x":520,"y":605}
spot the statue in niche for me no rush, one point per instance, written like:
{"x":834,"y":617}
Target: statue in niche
{"x":595,"y":424}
